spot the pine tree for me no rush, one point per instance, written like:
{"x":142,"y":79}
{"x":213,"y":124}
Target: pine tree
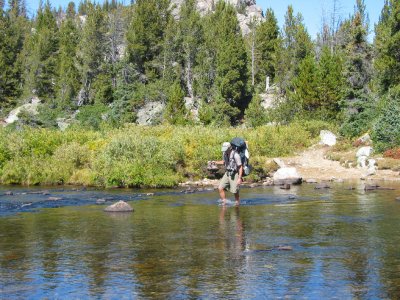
{"x":13,"y":24}
{"x":387,"y":45}
{"x":331,"y":81}
{"x":41,"y":55}
{"x":358,"y":57}
{"x":255,"y":114}
{"x":175,"y":112}
{"x":91,"y":53}
{"x":267,"y":34}
{"x":115,"y":38}
{"x":294,"y":46}
{"x":231,"y":58}
{"x":304,"y":99}
{"x":191,"y":33}
{"x":146,"y":34}
{"x":68,"y":82}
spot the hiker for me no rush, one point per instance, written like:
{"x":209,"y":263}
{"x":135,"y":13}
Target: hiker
{"x":233,"y":173}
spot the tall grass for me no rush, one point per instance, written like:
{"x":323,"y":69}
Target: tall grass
{"x":135,"y":156}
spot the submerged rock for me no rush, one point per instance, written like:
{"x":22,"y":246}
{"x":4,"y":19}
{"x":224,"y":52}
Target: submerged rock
{"x":371,"y":187}
{"x":322,"y":186}
{"x":285,"y":186}
{"x":120,"y":206}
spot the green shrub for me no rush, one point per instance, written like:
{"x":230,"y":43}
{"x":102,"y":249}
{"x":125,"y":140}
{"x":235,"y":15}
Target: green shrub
{"x":386,"y":131}
{"x":91,"y":116}
{"x":135,"y":156}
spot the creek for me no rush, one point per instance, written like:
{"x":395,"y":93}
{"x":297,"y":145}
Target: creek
{"x":340,"y":243}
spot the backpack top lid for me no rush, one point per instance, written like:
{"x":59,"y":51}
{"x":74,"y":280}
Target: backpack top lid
{"x":239,"y":144}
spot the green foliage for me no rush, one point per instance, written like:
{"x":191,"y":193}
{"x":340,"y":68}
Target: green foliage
{"x":386,"y":130}
{"x":191,"y":35}
{"x":267,"y":34}
{"x":305,"y":99}
{"x":90,"y":53}
{"x":102,"y":91}
{"x":255,"y":114}
{"x":133,"y":156}
{"x":68,"y":76}
{"x":12,"y":28}
{"x":330,"y":69}
{"x":145,"y":34}
{"x":294,"y":45}
{"x":387,"y":43}
{"x":41,"y":55}
{"x":231,"y":67}
{"x":175,"y":112}
{"x":217,"y":113}
{"x":91,"y":116}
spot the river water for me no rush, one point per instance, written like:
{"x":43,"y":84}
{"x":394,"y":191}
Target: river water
{"x":337,"y":243}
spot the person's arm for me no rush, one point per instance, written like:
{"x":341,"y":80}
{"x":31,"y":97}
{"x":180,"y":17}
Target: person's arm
{"x":240,"y":167}
{"x":240,"y":172}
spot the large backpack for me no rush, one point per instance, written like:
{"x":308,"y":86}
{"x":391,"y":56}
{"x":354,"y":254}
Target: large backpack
{"x":239,"y":145}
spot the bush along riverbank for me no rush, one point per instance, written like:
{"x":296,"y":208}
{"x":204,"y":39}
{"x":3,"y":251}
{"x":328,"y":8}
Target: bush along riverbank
{"x":137,"y":156}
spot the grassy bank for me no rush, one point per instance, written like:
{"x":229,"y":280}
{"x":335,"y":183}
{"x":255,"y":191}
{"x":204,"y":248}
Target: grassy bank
{"x":136,"y":156}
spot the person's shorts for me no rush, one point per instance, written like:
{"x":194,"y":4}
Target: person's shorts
{"x":231,"y":182}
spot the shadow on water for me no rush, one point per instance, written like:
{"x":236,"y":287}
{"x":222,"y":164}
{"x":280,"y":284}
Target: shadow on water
{"x":297,"y":243}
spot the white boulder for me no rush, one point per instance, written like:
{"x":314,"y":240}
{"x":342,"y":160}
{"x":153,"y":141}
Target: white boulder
{"x":362,"y":156}
{"x":287,"y":175}
{"x":327,"y":138}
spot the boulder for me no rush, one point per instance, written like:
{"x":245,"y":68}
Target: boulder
{"x":150,"y":113}
{"x":287,"y":175}
{"x":327,"y":138}
{"x":362,"y":156}
{"x":363,"y":140}
{"x":364,"y":151}
{"x":120,"y":206}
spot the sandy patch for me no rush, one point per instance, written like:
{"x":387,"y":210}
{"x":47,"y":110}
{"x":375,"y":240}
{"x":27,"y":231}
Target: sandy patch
{"x":312,"y":164}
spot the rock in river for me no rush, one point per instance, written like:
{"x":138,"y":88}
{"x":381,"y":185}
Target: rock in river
{"x":120,"y":206}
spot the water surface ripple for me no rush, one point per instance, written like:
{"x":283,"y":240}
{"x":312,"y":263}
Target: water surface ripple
{"x":338,"y":243}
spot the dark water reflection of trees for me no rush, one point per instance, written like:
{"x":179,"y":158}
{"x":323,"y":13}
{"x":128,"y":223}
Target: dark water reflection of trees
{"x":344,"y":244}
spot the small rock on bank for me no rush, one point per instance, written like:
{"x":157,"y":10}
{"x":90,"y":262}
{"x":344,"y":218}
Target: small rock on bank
{"x":120,"y":206}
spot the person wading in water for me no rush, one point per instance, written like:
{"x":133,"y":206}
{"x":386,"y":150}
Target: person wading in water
{"x":233,"y":173}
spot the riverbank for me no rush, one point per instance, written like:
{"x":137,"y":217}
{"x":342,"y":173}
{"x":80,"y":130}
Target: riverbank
{"x":313,"y":165}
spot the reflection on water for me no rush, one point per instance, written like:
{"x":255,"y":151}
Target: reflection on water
{"x":344,"y":244}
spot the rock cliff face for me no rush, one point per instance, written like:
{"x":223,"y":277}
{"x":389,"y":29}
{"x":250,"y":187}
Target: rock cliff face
{"x":247,"y":10}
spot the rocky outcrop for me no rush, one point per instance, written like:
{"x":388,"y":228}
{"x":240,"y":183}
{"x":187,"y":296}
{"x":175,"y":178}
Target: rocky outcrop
{"x":31,"y":108}
{"x":150,"y":113}
{"x":247,"y":10}
{"x":120,"y":206}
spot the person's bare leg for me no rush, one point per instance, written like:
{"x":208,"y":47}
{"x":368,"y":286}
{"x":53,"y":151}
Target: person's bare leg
{"x":222,"y":195}
{"x":237,"y":199}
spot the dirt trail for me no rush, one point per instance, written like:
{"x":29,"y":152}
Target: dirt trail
{"x":312,"y":164}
